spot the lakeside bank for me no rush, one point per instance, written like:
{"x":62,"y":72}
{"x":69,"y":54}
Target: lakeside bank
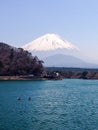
{"x":26,"y":78}
{"x":20,"y":78}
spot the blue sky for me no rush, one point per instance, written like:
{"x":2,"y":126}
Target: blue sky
{"x":22,"y":21}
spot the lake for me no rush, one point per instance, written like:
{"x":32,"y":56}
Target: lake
{"x":68,"y":104}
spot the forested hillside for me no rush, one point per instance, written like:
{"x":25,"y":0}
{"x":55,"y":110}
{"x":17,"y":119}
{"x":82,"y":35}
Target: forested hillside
{"x":16,"y":61}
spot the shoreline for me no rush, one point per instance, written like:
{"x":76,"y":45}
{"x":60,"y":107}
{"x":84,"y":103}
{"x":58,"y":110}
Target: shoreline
{"x":23,"y":78}
{"x":5,"y":78}
{"x":27,"y":78}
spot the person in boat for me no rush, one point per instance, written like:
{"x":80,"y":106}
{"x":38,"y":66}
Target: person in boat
{"x":19,"y":98}
{"x":29,"y":98}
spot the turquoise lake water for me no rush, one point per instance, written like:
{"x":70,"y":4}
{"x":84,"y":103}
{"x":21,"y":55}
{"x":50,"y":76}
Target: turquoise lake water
{"x":68,"y":104}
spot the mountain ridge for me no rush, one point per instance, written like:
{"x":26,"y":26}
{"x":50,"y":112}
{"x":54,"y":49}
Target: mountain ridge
{"x":61,"y":60}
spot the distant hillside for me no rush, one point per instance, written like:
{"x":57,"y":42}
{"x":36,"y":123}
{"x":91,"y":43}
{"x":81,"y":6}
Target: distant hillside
{"x":61,"y":60}
{"x":16,"y":61}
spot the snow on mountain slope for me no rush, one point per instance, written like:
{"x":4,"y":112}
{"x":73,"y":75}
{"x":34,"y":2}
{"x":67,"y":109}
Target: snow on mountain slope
{"x":55,"y":51}
{"x":49,"y":42}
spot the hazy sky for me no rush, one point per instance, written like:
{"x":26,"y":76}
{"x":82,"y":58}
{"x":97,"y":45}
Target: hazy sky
{"x":22,"y":21}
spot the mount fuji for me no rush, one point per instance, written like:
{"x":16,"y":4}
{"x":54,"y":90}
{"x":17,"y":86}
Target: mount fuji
{"x":50,"y":44}
{"x":55,"y":51}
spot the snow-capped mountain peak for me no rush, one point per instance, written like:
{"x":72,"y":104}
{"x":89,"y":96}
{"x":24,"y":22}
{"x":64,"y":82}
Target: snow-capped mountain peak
{"x":49,"y":42}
